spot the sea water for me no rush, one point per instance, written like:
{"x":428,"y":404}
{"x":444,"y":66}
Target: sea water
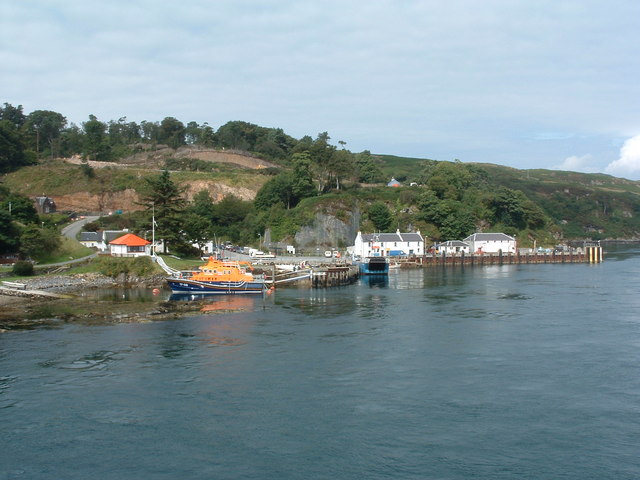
{"x":529,"y":372}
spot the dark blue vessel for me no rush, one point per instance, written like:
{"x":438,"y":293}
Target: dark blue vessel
{"x":374,"y":266}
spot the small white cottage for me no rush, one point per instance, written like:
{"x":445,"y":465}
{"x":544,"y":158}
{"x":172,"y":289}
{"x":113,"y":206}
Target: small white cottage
{"x":387,"y":244}
{"x":452,"y":247}
{"x":491,"y":243}
{"x":130,"y":245}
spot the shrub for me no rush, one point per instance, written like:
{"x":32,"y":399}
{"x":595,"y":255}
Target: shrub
{"x":139,"y":266}
{"x":22,"y":268}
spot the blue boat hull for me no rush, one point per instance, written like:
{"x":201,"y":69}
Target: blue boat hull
{"x":181,"y":285}
{"x":374,"y":266}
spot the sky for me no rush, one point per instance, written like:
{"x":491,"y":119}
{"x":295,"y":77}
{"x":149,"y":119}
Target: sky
{"x":523,"y":83}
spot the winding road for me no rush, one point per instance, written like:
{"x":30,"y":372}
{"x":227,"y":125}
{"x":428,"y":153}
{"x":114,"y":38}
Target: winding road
{"x":73,"y":229}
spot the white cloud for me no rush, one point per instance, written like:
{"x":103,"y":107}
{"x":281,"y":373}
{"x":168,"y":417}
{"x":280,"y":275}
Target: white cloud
{"x":577,"y":164}
{"x":628,"y":164}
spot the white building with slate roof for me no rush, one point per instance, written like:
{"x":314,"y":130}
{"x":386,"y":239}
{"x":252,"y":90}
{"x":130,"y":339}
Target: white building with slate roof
{"x":452,"y":247}
{"x":388,"y":244}
{"x":491,"y":243}
{"x":100,"y":240}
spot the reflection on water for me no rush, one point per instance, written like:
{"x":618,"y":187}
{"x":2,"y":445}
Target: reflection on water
{"x":221,"y":303}
{"x":319,"y":302}
{"x":376,"y":281}
{"x":120,"y":294}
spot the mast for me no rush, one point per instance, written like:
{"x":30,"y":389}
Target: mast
{"x":153,"y":229}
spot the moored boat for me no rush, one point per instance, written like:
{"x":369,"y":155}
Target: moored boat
{"x":374,"y":266}
{"x":218,"y":276}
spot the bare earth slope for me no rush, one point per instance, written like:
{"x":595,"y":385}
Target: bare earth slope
{"x":89,"y":199}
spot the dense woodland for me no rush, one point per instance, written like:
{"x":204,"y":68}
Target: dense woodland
{"x":445,"y":200}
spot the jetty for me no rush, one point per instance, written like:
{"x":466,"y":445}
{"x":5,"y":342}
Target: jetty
{"x":318,"y":276}
{"x":335,"y":276}
{"x":591,"y":254}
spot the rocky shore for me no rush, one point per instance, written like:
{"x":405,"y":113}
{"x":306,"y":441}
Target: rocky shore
{"x":22,"y":309}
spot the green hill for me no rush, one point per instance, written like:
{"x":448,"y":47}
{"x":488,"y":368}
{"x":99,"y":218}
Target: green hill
{"x":243,"y":180}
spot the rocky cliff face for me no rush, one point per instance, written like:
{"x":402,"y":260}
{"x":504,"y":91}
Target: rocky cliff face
{"x":329,"y":231}
{"x":126,"y":200}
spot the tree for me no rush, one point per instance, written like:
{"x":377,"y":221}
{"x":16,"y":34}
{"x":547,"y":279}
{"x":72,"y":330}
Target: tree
{"x":380,"y":215}
{"x":203,"y":135}
{"x":453,"y":218}
{"x":196,"y":229}
{"x":172,"y":132}
{"x":13,"y":115}
{"x":123,"y":132}
{"x":341,"y":166}
{"x":36,"y":242}
{"x":45,"y":128}
{"x":368,"y":169}
{"x":449,"y":180}
{"x":150,"y":131}
{"x":21,"y":208}
{"x":301,"y":179}
{"x":460,"y":222}
{"x":230,"y":211}
{"x":508,"y":207}
{"x":164,"y":198}
{"x":9,"y":234}
{"x":96,"y":146}
{"x":12,"y":149}
{"x":202,"y":204}
{"x":288,"y":187}
{"x":71,"y":141}
{"x":275,"y":190}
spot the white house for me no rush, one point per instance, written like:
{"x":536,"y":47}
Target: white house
{"x":130,"y":245}
{"x":452,"y":247}
{"x":491,"y":243}
{"x":394,"y":183}
{"x":388,"y":244}
{"x":100,"y":240}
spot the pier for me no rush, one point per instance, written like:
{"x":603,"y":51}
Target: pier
{"x":335,"y":276}
{"x":592,"y":254}
{"x":339,"y":274}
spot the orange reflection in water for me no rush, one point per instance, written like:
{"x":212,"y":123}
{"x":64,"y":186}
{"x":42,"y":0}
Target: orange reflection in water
{"x":229,"y":303}
{"x":229,"y":331}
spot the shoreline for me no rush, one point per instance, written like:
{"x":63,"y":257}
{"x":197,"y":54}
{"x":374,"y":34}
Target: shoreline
{"x":74,"y":302}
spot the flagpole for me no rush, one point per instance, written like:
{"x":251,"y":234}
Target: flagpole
{"x":153,"y":229}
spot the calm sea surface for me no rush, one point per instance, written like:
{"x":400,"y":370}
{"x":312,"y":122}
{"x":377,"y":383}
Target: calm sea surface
{"x":528,"y":372}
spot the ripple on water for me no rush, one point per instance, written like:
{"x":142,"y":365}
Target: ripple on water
{"x":121,"y":416}
{"x":5,"y":384}
{"x":93,"y":361}
{"x":514,"y":296}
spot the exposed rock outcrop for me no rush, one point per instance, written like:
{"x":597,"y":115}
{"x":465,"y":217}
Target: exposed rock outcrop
{"x":329,"y":231}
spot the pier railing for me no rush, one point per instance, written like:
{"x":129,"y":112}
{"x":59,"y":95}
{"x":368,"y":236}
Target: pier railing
{"x":589,"y":255}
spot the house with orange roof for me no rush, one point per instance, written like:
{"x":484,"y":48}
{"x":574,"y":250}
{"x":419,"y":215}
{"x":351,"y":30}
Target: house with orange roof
{"x":129,"y":245}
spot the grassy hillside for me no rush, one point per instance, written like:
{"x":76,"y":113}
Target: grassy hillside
{"x":404,"y":169}
{"x":55,"y":178}
{"x":593,"y":205}
{"x":576,"y":205}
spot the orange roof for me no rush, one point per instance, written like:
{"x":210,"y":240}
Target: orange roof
{"x":130,"y":240}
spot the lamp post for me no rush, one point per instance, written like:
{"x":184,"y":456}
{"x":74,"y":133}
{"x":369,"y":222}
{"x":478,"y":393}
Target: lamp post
{"x":260,"y":241}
